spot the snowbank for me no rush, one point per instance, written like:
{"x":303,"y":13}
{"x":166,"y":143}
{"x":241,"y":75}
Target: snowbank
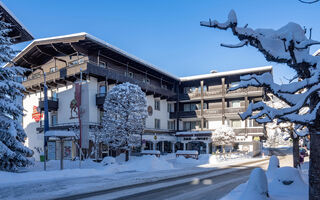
{"x":88,"y":168}
{"x":257,"y":186}
{"x":283,"y":183}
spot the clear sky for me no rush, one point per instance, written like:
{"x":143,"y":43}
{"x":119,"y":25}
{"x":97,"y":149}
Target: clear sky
{"x":167,"y":33}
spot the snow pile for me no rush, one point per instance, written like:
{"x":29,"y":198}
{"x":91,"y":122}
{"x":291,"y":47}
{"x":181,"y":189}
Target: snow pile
{"x":281,"y":183}
{"x":108,"y":160}
{"x":273,"y":166}
{"x":288,"y":180}
{"x":146,"y":163}
{"x":257,"y":186}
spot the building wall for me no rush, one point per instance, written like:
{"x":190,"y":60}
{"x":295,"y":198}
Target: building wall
{"x":163,"y":114}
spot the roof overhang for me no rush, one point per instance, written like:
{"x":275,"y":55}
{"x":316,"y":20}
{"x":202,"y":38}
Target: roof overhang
{"x":228,"y":73}
{"x":18,"y":33}
{"x":41,"y":51}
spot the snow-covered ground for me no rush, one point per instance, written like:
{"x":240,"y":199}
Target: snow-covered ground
{"x":137,"y":170}
{"x":278,"y":184}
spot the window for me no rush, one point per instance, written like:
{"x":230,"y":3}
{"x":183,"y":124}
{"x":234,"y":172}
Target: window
{"x":146,"y":80}
{"x":171,"y":125}
{"x":170,"y":107}
{"x":191,"y":125}
{"x":102,"y":89}
{"x":53,"y":120}
{"x":54,"y":95}
{"x":157,"y":104}
{"x":193,"y":106}
{"x":102,"y":64}
{"x":235,"y":123}
{"x":235,"y":104}
{"x":129,"y":74}
{"x":157,"y":123}
{"x":250,"y":123}
{"x":53,"y":69}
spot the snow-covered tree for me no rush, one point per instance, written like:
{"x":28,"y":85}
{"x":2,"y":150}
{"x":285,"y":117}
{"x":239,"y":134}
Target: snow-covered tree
{"x":96,"y":136}
{"x":13,"y":153}
{"x":288,"y":45}
{"x":223,"y":135}
{"x":125,"y":111}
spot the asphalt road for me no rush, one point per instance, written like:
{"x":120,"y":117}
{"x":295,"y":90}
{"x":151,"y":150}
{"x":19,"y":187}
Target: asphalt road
{"x":213,"y":185}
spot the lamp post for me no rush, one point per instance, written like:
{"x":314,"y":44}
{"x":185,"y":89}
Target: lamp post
{"x":46,"y":118}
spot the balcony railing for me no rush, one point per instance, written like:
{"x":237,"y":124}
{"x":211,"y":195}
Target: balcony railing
{"x":217,"y":93}
{"x":53,"y":104}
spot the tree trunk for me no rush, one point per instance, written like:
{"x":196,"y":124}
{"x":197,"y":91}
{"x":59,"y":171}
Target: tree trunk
{"x":314,"y":166}
{"x":295,"y":152}
{"x":127,"y":155}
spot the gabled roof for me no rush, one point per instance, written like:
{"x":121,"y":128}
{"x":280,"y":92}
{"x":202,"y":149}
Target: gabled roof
{"x":40,"y":51}
{"x":19,"y":32}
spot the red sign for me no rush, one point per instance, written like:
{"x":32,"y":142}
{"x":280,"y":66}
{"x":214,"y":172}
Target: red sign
{"x":36,"y":115}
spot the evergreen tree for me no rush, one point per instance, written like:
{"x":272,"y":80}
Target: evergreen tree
{"x":124,"y":117}
{"x":13,"y":153}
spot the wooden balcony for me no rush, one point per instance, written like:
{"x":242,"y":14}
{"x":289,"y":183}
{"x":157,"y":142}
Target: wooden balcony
{"x":207,"y":113}
{"x":256,"y":131}
{"x":217,"y":94}
{"x":101,"y":73}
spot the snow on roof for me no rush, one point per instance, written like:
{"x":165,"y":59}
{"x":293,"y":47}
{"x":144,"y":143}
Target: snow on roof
{"x":193,"y":132}
{"x":15,"y":18}
{"x":60,"y":133}
{"x":95,"y":39}
{"x":120,"y":51}
{"x":187,"y":152}
{"x":227,"y":73}
{"x":150,"y":152}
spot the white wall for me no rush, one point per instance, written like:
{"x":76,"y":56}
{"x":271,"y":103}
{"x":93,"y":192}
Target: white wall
{"x":163,"y":114}
{"x":33,"y":138}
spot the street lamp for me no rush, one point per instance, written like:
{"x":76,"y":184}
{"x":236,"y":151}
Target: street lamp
{"x":46,"y":118}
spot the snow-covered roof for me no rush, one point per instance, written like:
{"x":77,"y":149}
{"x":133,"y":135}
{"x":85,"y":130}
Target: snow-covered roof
{"x":187,"y":152}
{"x":60,"y":133}
{"x":193,"y":132}
{"x":227,"y":73}
{"x":15,"y":18}
{"x":99,"y":41}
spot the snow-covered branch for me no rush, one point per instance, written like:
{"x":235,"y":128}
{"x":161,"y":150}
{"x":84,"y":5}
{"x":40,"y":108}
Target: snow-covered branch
{"x":240,"y":44}
{"x":286,"y":45}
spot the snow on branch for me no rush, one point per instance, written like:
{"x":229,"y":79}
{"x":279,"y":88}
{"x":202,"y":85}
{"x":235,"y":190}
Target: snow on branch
{"x":286,"y":92}
{"x":240,"y":44}
{"x":286,"y":45}
{"x":309,"y":2}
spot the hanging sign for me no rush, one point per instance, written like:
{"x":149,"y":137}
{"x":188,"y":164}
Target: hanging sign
{"x":36,"y":115}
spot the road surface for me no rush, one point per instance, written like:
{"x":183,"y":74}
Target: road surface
{"x":204,"y":186}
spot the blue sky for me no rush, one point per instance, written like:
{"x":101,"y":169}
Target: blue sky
{"x":167,"y":33}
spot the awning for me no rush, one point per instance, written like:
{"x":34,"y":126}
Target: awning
{"x":60,"y":133}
